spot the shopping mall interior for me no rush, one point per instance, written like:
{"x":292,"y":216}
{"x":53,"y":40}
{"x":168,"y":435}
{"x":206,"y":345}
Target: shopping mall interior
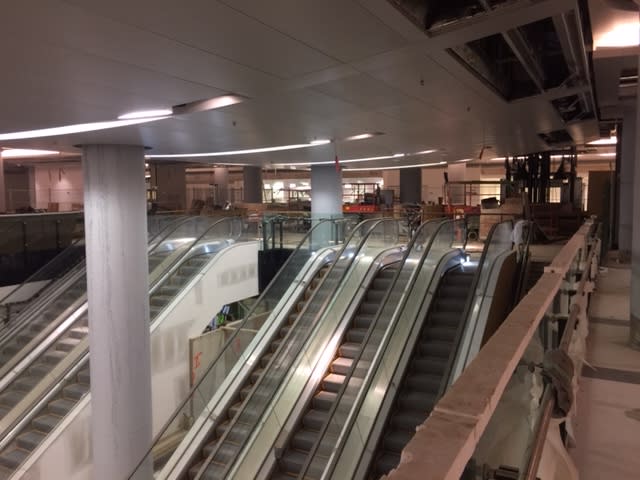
{"x":350,"y":239}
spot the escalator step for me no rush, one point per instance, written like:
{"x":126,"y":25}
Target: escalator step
{"x":76,"y":390}
{"x":349,"y":350}
{"x":435,"y":348}
{"x":417,"y":401}
{"x":375,"y":296}
{"x":435,"y":365}
{"x":24,"y":338}
{"x":362,"y":320}
{"x":396,"y":440}
{"x":247,"y":415}
{"x":225,"y":453}
{"x":386,"y":462}
{"x":67,"y":344}
{"x":79,"y":332}
{"x":341,"y":365}
{"x":332,"y":382}
{"x":406,"y":420}
{"x":356,"y":335}
{"x":159,"y":300}
{"x":239,"y":432}
{"x":284,"y":331}
{"x":424,"y":382}
{"x":45,"y":423}
{"x":314,"y":419}
{"x":30,"y":440}
{"x":323,"y":400}
{"x":445,"y":334}
{"x":26,"y":383}
{"x":452,"y":291}
{"x":61,"y":406}
{"x":10,"y":398}
{"x":13,"y":458}
{"x":84,"y":376}
{"x":53,"y":357}
{"x":275,"y":344}
{"x":304,"y":440}
{"x":293,"y":462}
{"x":447,"y":319}
{"x":369,"y":307}
{"x":449,"y":304}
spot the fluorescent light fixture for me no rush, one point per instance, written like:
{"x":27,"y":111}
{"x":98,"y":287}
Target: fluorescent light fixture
{"x":621,"y":35}
{"x":498,"y":159}
{"x":207,"y":104}
{"x":397,"y":155}
{"x":605,"y":141}
{"x":26,"y":153}
{"x":464,"y":160}
{"x":425,"y":152}
{"x":248,"y":151}
{"x":78,"y":128}
{"x":146,"y":114}
{"x":606,"y":154}
{"x":356,"y":160}
{"x":433,"y":164}
{"x":363,"y":136}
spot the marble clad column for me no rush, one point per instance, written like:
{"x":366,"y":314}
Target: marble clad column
{"x":117,"y":281}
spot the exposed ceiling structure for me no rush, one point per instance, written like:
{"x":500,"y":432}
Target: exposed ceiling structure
{"x":461,"y":77}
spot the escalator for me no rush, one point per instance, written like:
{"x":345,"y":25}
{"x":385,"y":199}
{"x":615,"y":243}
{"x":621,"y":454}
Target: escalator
{"x":216,"y":448}
{"x":234,"y":427}
{"x":318,"y":408}
{"x":422,"y":384}
{"x":307,"y":438}
{"x":267,"y":320}
{"x":58,"y":374}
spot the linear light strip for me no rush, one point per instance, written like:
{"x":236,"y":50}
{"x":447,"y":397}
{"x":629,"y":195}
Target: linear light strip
{"x":279,"y":148}
{"x":78,"y":128}
{"x":421,"y":165}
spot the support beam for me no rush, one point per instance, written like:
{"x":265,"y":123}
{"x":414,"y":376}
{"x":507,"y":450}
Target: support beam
{"x":118,"y":292}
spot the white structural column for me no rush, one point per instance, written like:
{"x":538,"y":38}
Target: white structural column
{"x":410,"y":185}
{"x":252,"y":186}
{"x":634,"y":334}
{"x":625,"y":223}
{"x":3,"y":187}
{"x":326,"y":192}
{"x":117,"y":278}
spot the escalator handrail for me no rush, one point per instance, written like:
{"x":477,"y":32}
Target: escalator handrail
{"x":229,"y":342}
{"x":471,"y":297}
{"x":322,"y":310}
{"x":370,"y":330}
{"x":31,"y":278}
{"x":175,"y":265}
{"x":366,"y":384}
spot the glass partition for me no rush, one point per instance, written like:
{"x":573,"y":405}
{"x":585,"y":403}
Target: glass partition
{"x":324,"y":234}
{"x":366,"y":242}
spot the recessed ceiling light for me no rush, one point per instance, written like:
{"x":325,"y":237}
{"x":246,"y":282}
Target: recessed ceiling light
{"x":146,"y":114}
{"x":279,"y":148}
{"x":26,"y":153}
{"x":605,"y":141}
{"x":78,"y":128}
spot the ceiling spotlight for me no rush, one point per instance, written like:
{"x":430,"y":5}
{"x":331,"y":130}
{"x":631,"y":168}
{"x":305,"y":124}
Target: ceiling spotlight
{"x":146,"y":114}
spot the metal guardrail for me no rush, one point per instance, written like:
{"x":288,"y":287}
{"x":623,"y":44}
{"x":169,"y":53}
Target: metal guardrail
{"x":448,"y":438}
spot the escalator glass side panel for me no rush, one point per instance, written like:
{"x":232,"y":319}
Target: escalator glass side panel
{"x":438,"y":345}
{"x":220,"y":453}
{"x":430,"y":235}
{"x":292,"y":276}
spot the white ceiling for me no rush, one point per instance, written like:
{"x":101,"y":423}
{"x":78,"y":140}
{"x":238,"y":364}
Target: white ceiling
{"x":311,"y":69}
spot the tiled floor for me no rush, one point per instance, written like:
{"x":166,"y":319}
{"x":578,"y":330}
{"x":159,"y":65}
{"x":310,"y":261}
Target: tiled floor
{"x":607,"y":428}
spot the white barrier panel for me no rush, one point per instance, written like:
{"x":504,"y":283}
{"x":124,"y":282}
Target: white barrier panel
{"x":232,"y":275}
